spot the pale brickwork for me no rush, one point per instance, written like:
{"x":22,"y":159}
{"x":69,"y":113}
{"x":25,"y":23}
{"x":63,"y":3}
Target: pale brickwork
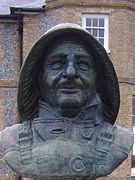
{"x":121,"y":17}
{"x":30,"y":31}
{"x":9,"y":72}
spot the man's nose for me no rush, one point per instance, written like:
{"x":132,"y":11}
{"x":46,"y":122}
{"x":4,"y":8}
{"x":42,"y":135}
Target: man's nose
{"x":70,"y":72}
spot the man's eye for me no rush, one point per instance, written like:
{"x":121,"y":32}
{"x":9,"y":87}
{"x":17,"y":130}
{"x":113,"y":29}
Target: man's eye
{"x":57,"y":64}
{"x":83,"y":65}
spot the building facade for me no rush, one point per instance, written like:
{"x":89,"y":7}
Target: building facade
{"x":111,"y":22}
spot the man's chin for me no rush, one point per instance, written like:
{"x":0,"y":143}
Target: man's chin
{"x":69,"y":102}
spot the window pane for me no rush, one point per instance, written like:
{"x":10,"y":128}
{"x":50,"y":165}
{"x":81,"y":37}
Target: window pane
{"x":133,"y":161}
{"x":88,"y":22}
{"x":133,"y":120}
{"x":88,"y":29}
{"x":94,"y":32}
{"x":101,"y":32}
{"x":95,"y":22}
{"x":133,"y":105}
{"x":101,"y":22}
{"x":102,"y":41}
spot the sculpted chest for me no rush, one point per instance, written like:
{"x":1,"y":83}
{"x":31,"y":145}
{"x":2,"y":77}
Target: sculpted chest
{"x":59,"y":149}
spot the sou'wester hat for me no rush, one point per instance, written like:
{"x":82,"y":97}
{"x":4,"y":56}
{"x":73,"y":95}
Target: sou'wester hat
{"x":28,"y":92}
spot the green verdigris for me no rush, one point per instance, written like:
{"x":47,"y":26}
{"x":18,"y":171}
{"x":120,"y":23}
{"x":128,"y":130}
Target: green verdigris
{"x":68,"y":100}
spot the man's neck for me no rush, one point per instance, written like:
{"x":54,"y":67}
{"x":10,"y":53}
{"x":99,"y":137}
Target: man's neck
{"x":69,"y":112}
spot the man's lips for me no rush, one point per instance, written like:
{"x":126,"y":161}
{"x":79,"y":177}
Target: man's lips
{"x":69,"y":88}
{"x":69,"y":91}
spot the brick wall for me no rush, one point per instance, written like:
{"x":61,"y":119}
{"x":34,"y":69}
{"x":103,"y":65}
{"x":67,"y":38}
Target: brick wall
{"x":134,"y":46}
{"x":9,"y":70}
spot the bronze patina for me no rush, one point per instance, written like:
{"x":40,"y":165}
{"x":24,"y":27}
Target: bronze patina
{"x":68,"y":101}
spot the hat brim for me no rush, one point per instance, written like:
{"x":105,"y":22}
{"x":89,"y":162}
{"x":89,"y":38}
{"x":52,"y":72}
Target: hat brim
{"x":28,"y":93}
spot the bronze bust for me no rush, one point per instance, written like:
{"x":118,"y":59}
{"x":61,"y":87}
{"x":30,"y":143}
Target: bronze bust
{"x":68,"y":100}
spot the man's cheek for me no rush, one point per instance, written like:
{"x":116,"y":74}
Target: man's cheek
{"x":86,"y":79}
{"x":51,"y":81}
{"x":90,"y":79}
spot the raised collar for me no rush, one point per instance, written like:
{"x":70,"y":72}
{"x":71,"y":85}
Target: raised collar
{"x":92,"y":112}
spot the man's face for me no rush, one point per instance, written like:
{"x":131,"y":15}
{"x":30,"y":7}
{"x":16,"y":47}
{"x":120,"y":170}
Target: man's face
{"x":69,"y":77}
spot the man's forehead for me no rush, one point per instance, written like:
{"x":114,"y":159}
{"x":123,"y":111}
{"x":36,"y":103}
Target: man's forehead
{"x":68,"y":46}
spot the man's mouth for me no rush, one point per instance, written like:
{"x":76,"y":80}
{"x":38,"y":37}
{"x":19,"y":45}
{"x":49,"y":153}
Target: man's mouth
{"x":69,"y":91}
{"x":69,"y":88}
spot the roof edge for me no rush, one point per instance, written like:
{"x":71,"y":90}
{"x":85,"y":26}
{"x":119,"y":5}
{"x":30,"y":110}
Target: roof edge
{"x":22,"y":10}
{"x":122,"y":4}
{"x":8,"y":18}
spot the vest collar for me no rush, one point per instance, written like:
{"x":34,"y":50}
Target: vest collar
{"x":91,"y":113}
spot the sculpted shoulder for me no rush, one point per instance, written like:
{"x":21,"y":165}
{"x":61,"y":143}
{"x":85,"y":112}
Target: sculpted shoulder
{"x":121,"y":143}
{"x":9,"y":137}
{"x":123,"y":138}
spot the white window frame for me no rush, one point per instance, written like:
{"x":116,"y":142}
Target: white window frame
{"x":106,"y":26}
